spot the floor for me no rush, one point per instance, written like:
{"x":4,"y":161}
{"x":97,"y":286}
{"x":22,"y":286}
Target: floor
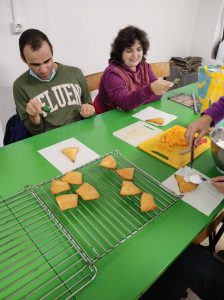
{"x":219,"y":246}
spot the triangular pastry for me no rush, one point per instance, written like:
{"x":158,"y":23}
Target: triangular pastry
{"x":72,"y":177}
{"x":87,"y":192}
{"x":147,"y":202}
{"x":108,"y":162}
{"x":159,"y":121}
{"x":183,"y":185}
{"x":67,"y":201}
{"x":70,"y":152}
{"x":58,"y":186}
{"x":128,"y":188}
{"x":126,"y":173}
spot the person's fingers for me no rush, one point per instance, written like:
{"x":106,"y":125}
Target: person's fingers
{"x":218,"y":178}
{"x":199,"y":137}
{"x":34,"y":107}
{"x":87,"y":110}
{"x":189,"y":135}
{"x":218,"y":185}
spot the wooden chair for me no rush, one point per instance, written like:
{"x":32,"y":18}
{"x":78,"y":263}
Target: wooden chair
{"x":210,"y":232}
{"x":93,"y":81}
{"x":161,"y":69}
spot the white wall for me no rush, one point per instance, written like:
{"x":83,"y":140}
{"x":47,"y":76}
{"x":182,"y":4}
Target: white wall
{"x":81,"y":32}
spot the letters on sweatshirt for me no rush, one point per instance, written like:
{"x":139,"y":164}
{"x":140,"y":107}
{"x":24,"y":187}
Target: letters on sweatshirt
{"x":62,"y":95}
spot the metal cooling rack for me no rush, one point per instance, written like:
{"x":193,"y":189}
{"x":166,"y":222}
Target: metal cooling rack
{"x":39,"y":259}
{"x":49,"y":254}
{"x":101,"y":225}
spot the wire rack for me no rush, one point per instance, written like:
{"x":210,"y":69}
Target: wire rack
{"x":39,"y":259}
{"x":49,"y":254}
{"x":101,"y":225}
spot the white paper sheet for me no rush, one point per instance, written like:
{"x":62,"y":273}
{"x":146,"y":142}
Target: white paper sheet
{"x":55,"y":156}
{"x":137,"y":133}
{"x":205,"y":198}
{"x":151,"y":113}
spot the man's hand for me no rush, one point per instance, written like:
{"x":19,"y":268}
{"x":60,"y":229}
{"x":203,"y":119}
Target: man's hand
{"x":200,"y":126}
{"x":218,"y":183}
{"x":33,"y":109}
{"x":160,"y":86}
{"x":87,"y":110}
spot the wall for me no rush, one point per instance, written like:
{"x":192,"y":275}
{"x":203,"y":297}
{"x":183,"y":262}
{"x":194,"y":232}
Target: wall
{"x":81,"y":32}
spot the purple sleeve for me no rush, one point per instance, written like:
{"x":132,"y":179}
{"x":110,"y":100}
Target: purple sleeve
{"x":216,"y":111}
{"x":120,"y":96}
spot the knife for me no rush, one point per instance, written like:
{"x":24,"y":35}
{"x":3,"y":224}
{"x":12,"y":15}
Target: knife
{"x":192,"y":154}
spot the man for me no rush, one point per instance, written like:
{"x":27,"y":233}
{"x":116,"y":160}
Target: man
{"x":47,"y":84}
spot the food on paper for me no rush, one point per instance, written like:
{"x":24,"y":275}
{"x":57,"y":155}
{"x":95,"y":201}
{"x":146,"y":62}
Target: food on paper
{"x":159,"y":121}
{"x":147,"y":202}
{"x":72,"y":177}
{"x":126,"y":173}
{"x":67,"y":201}
{"x":183,"y":185}
{"x":87,"y":192}
{"x":108,"y":162}
{"x":128,"y":188}
{"x":70,"y":152}
{"x":58,"y":186}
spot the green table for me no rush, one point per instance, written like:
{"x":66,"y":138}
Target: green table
{"x":132,"y":267}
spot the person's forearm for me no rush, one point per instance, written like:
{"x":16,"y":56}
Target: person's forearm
{"x":216,"y":111}
{"x":128,"y":101}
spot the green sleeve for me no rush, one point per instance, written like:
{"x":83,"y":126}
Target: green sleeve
{"x":21,"y":102}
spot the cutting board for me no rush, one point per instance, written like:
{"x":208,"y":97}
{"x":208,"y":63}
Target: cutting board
{"x":137,"y":133}
{"x":171,"y":155}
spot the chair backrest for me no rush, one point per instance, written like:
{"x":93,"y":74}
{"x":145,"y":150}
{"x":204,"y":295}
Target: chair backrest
{"x":161,"y":69}
{"x":93,"y":81}
{"x":15,"y":130}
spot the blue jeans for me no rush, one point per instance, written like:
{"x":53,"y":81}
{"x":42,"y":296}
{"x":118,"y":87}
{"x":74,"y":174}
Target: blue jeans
{"x":197,"y":269}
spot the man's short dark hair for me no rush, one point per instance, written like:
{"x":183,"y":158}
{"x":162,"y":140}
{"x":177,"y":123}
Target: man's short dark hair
{"x":126,"y":38}
{"x":34,"y":38}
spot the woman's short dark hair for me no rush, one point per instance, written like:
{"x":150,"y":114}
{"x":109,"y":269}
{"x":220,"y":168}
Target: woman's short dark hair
{"x":126,"y":38}
{"x":34,"y":38}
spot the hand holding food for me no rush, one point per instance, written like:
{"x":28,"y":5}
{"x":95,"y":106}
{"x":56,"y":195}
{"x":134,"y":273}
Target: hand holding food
{"x":160,"y":86}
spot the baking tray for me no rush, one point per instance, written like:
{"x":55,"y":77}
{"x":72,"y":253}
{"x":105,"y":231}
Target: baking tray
{"x":171,"y":156}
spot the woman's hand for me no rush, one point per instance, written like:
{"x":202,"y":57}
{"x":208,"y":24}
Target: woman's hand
{"x":200,"y":126}
{"x":160,"y":86}
{"x":218,"y":183}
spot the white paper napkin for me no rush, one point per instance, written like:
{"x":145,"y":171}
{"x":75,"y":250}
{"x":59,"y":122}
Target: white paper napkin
{"x":205,"y":198}
{"x":55,"y":156}
{"x":151,"y":113}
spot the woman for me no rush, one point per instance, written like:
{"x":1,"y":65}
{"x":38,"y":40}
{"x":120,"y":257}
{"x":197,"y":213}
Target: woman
{"x":128,"y":81}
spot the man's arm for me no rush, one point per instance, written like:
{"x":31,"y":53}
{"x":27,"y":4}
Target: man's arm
{"x":33,"y":123}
